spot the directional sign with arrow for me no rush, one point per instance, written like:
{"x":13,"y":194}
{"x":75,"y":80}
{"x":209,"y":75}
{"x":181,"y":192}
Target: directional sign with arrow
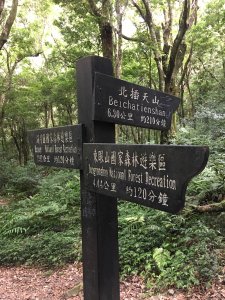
{"x":152,"y":175}
{"x":122,"y":102}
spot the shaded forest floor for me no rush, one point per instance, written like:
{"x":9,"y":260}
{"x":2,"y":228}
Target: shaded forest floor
{"x":21,"y":283}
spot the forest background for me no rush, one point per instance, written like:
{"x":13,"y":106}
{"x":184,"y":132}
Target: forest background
{"x":173,"y":46}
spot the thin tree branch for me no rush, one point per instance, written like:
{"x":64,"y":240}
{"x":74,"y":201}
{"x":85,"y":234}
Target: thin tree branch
{"x":185,"y":69}
{"x":94,"y":9}
{"x":156,"y":41}
{"x":193,"y":14}
{"x":131,"y":39}
{"x":139,"y":10}
{"x":183,"y":27}
{"x":211,"y":74}
{"x":167,"y":28}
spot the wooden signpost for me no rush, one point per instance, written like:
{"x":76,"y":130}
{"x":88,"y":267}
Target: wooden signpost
{"x":152,"y":175}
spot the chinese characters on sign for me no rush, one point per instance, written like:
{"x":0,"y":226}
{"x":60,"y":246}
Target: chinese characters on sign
{"x":146,"y":174}
{"x":58,"y":146}
{"x":121,"y":102}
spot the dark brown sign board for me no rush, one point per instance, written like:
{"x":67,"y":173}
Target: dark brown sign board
{"x":57,"y":146}
{"x":122,"y":102}
{"x":151,"y":175}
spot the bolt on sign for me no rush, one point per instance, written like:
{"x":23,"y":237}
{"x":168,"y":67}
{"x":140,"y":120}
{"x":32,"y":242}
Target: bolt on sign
{"x":155,"y":176}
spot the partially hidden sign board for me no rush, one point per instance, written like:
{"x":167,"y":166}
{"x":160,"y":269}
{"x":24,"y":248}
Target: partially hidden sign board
{"x":122,"y":102}
{"x":152,"y":175}
{"x":57,"y":146}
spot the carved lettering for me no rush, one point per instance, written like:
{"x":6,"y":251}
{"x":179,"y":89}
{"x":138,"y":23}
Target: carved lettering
{"x":58,"y":146}
{"x":122,"y":102}
{"x":145,"y":174}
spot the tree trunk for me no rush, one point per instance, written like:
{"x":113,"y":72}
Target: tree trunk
{"x":14,"y":136}
{"x":46,"y":114}
{"x":107,"y":39}
{"x":24,"y":143}
{"x":2,"y":4}
{"x":120,"y":10}
{"x":9,"y":22}
{"x":135,"y":134}
{"x":104,"y":22}
{"x":168,"y":53}
{"x":52,"y":115}
{"x":69,"y":114}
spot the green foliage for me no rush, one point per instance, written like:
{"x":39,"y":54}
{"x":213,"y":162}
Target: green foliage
{"x":43,"y":229}
{"x":188,"y":258}
{"x":47,"y":249}
{"x":79,"y":29}
{"x":139,"y":66}
{"x":18,"y":181}
{"x":168,"y":250}
{"x":210,"y":184}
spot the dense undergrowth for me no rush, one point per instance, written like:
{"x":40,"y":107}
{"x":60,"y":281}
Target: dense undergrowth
{"x":41,"y":227}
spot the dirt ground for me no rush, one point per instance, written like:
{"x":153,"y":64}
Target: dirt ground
{"x":22,"y":283}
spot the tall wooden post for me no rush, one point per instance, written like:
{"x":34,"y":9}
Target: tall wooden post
{"x":99,"y":213}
